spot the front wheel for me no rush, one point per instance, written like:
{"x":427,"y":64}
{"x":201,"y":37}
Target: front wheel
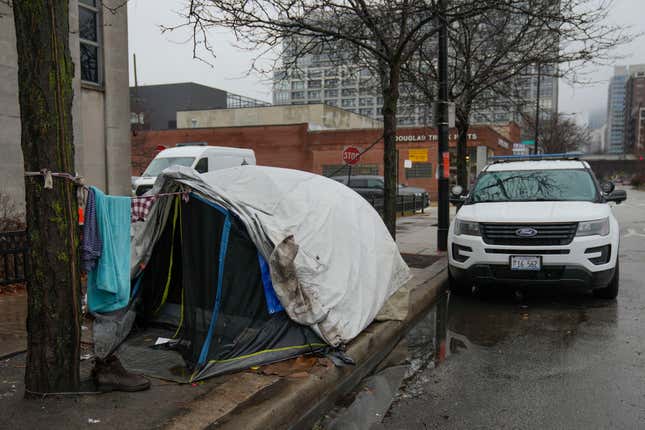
{"x":610,"y":291}
{"x":458,"y":288}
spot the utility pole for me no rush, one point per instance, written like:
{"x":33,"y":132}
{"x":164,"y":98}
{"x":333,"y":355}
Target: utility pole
{"x":537,"y":110}
{"x":443,"y":130}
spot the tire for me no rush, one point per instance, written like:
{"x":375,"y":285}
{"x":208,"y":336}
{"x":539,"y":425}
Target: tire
{"x":458,"y":288}
{"x":610,"y":291}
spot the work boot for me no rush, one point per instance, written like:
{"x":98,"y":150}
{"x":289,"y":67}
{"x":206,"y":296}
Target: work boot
{"x":109,"y":375}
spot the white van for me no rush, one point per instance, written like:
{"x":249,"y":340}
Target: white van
{"x":200,"y":157}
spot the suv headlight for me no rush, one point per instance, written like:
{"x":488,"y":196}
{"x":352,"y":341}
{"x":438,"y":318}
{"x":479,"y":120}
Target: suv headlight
{"x":469,"y":228}
{"x":598,"y":227}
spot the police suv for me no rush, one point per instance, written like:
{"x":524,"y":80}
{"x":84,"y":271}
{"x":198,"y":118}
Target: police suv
{"x":536,"y":220}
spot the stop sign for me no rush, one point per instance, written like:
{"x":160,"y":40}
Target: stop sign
{"x":351,"y":155}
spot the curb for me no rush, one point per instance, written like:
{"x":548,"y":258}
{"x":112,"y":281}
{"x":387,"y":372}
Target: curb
{"x":298,"y":403}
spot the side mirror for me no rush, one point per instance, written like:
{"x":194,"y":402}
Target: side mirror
{"x":457,"y":190}
{"x":607,"y":187}
{"x":457,"y":196}
{"x":617,"y":196}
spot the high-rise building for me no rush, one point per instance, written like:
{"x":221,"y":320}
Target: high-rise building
{"x":616,"y":111}
{"x":320,"y":79}
{"x":635,"y":110}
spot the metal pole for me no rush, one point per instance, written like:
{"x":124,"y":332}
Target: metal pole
{"x":537,"y":110}
{"x":443,"y":130}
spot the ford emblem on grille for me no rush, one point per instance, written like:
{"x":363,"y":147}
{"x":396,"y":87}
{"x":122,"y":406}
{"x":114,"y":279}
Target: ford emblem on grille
{"x":526,"y":232}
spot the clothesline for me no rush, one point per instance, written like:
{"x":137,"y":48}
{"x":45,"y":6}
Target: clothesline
{"x":79,"y":180}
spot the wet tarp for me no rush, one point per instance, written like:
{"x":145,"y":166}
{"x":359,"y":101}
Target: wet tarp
{"x":333,"y":263}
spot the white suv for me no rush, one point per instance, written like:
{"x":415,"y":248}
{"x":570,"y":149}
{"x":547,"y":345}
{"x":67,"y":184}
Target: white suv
{"x":539,"y":221}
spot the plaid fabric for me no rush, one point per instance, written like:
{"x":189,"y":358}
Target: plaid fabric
{"x":141,"y":207}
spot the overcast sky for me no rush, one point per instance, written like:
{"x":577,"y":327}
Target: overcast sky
{"x":167,"y":58}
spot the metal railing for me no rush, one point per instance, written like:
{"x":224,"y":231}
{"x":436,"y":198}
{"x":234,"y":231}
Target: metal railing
{"x":14,"y":257}
{"x":404,"y":204}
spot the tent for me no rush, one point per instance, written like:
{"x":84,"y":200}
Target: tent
{"x":259,"y":265}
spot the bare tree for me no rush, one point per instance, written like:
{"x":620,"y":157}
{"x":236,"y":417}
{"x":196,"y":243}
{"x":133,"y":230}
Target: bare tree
{"x":496,"y":54}
{"x":45,"y":72}
{"x":382,"y":35}
{"x":560,"y":134}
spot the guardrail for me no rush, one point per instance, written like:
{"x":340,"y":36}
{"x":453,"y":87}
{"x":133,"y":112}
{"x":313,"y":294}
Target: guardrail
{"x":14,"y":257}
{"x":404,"y":204}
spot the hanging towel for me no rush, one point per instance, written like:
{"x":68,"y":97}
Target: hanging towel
{"x":91,"y":245}
{"x":108,"y":285}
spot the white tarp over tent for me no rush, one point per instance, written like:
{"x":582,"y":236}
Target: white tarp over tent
{"x":333,"y":262}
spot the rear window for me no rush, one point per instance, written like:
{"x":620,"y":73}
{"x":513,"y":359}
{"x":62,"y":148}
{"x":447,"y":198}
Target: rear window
{"x":158,"y":165}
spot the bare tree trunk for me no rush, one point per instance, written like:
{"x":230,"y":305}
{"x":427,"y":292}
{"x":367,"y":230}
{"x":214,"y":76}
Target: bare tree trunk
{"x":390,"y":100}
{"x":45,"y":72}
{"x":462,"y":151}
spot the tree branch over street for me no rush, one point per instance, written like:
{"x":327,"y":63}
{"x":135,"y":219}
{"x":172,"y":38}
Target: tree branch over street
{"x":494,"y":56}
{"x":381,"y":35}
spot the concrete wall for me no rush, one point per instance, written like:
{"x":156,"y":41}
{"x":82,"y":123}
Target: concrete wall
{"x":318,"y":116}
{"x":100,"y":115}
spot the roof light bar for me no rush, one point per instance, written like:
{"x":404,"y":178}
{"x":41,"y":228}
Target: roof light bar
{"x":562,"y":156}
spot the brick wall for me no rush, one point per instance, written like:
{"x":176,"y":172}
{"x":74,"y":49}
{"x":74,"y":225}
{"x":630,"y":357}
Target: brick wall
{"x":293,"y":146}
{"x":279,"y":146}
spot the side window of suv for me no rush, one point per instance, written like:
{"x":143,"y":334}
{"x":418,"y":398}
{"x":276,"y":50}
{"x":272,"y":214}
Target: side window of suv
{"x":202,"y":165}
{"x":375,"y":183}
{"x":358,"y":183}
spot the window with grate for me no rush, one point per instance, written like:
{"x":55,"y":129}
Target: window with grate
{"x":419,"y":170}
{"x":343,"y":170}
{"x":90,"y":41}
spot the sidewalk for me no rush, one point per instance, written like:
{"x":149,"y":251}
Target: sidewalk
{"x":283,"y":395}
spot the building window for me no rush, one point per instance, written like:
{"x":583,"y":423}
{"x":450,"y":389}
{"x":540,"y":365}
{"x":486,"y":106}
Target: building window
{"x":331,"y":93}
{"x":349,"y":82}
{"x":343,"y":170}
{"x":331,"y":83}
{"x":298,"y":85}
{"x":331,"y":102}
{"x":315,"y":84}
{"x":172,"y":124}
{"x":348,"y":92}
{"x":314,"y":94}
{"x":348,"y":102}
{"x":419,"y":170}
{"x":89,"y":36}
{"x":367,"y":112}
{"x":298,"y":95}
{"x":314,"y":73}
{"x":331,"y":72}
{"x":366,"y":101}
{"x":193,"y":123}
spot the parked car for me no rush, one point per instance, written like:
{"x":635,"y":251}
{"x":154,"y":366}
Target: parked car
{"x":372,"y":186}
{"x":200,"y":157}
{"x":536,"y":222}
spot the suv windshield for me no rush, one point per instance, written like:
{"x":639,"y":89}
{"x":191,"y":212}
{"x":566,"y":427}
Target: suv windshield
{"x":534,"y":185}
{"x":159,"y":164}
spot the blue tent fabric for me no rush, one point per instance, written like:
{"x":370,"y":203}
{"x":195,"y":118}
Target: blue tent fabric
{"x":108,"y":284}
{"x":273,"y":303}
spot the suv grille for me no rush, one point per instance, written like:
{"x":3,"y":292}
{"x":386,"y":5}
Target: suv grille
{"x":547,"y":234}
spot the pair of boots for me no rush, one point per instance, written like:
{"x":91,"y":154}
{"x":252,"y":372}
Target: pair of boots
{"x":109,"y":375}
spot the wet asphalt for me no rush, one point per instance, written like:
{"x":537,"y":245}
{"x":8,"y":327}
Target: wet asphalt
{"x":551,"y":360}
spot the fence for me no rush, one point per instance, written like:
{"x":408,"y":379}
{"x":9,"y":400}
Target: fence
{"x":14,"y":257}
{"x":404,"y":204}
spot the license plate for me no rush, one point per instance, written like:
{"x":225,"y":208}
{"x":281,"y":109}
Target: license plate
{"x":526,"y":262}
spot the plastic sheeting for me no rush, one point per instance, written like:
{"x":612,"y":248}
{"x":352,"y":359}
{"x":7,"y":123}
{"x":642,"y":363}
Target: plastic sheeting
{"x":333,"y":263}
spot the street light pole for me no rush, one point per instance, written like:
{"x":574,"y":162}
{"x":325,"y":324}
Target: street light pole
{"x":443,"y":131}
{"x":537,"y":110}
